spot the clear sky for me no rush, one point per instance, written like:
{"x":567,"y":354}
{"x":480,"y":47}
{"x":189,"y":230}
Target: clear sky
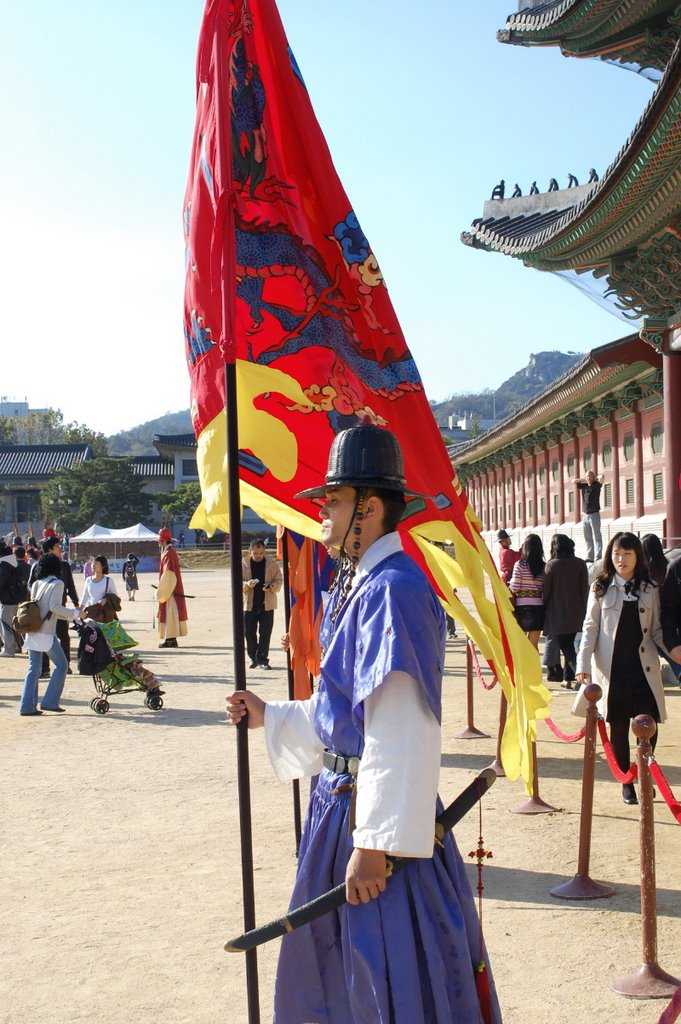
{"x":424,"y":111}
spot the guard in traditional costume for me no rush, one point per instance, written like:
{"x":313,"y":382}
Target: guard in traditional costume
{"x":405,"y":949}
{"x":172,"y":606}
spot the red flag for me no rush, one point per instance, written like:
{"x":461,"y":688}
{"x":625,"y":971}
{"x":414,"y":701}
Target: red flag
{"x":308,"y":319}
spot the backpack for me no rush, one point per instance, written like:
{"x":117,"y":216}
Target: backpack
{"x":27,"y":618}
{"x":94,"y":651}
{"x":13,"y":589}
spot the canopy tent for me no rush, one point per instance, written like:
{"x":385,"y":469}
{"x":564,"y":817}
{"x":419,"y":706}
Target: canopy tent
{"x":115,"y":544}
{"x":103,"y":534}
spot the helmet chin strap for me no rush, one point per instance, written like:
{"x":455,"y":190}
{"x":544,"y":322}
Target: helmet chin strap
{"x":347,"y":562}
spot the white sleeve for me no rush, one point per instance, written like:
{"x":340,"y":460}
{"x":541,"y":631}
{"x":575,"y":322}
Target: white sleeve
{"x":399,"y":771}
{"x":293,"y":746}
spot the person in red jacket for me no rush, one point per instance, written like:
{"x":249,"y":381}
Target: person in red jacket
{"x":507,"y":556}
{"x":172,"y":607}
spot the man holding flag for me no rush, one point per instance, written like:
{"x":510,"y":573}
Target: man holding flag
{"x":406,"y":949}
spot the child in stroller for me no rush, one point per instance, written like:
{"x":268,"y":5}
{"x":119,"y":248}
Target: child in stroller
{"x":100,"y":655}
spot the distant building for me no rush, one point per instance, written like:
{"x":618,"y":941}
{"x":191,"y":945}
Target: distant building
{"x":25,"y":470}
{"x":12,"y":410}
{"x":605,"y":414}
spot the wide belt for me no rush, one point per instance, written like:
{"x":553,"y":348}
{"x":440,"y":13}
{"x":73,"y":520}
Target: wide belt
{"x":339,"y":763}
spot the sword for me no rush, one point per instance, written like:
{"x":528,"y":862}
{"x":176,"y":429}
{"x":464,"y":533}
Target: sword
{"x":335,"y":898}
{"x":176,"y":593}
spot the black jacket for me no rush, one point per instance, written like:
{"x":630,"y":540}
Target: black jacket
{"x":67,"y":577}
{"x":670,"y":606}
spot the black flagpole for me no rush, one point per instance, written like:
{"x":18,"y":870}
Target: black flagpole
{"x":297,"y":820}
{"x":225,"y":210}
{"x":243,"y":767}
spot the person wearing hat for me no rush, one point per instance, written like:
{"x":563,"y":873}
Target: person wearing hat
{"x":402,"y":948}
{"x":172,"y":605}
{"x":507,"y":556}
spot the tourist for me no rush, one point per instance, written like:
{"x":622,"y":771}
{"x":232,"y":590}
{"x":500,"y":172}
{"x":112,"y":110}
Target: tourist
{"x":565,"y":594}
{"x":129,"y":573}
{"x":100,"y":597}
{"x":48,"y":590}
{"x":590,"y":490}
{"x":262,"y":581}
{"x":527,"y":587}
{"x":618,"y":648}
{"x":507,"y":556}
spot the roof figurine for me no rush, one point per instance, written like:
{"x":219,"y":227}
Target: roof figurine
{"x":592,"y":175}
{"x":553,"y":185}
{"x":517,"y":192}
{"x":572,"y":181}
{"x":534,"y":191}
{"x":499,"y":190}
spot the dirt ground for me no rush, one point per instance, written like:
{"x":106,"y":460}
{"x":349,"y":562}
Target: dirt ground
{"x":120,"y":865}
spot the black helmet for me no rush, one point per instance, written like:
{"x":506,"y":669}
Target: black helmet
{"x":363,"y":456}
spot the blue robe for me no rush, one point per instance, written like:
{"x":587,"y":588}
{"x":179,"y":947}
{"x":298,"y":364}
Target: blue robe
{"x":407,"y":957}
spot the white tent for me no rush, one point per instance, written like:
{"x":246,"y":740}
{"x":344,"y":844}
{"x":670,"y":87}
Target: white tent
{"x":94,"y":533}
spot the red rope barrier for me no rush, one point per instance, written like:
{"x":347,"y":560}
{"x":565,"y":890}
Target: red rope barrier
{"x":478,"y":671}
{"x":669,"y":798}
{"x":565,"y":737}
{"x":621,"y":776}
{"x":673,"y":1010}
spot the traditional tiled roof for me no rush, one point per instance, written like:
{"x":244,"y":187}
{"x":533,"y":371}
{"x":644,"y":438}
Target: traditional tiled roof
{"x":175,"y":440}
{"x":639,"y":195}
{"x":39,"y":461}
{"x":587,"y":386}
{"x":151,"y":466}
{"x":635,"y":31}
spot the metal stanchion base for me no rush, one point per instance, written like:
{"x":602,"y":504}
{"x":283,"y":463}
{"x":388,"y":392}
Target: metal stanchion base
{"x":581,"y":887}
{"x":498,"y":769}
{"x":471,"y":733}
{"x":648,"y":982}
{"x":535,"y":805}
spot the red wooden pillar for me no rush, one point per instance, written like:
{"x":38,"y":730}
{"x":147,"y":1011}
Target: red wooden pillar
{"x":615,"y":442}
{"x":639,"y":508}
{"x":672,"y":444}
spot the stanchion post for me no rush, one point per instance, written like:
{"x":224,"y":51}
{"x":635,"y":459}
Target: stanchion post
{"x":582,"y":887}
{"x":496,"y":765}
{"x":534,"y":804}
{"x":470,"y":732}
{"x":649,"y":981}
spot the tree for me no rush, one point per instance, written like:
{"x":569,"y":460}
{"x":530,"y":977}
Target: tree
{"x":182,"y":503}
{"x":476,"y":429}
{"x":48,"y":427}
{"x":101,"y":490}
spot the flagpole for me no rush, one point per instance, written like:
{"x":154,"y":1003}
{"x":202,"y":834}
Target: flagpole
{"x":243,"y":766}
{"x":225,"y":210}
{"x":297,"y":819}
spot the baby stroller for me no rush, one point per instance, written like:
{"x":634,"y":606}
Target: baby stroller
{"x":100,"y":655}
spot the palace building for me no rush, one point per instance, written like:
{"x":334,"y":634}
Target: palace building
{"x":618,"y":239}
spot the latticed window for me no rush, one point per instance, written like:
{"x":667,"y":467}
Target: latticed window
{"x":555,"y":469}
{"x":657,"y":487}
{"x":656,"y":439}
{"x":586,"y":459}
{"x":509,"y":512}
{"x":529,"y":508}
{"x":508,"y":485}
{"x":629,"y":491}
{"x":571,"y":501}
{"x":607,"y":495}
{"x":629,"y":448}
{"x":529,"y":478}
{"x":606,"y":454}
{"x":520,"y":510}
{"x":542,"y":475}
{"x":571,"y":465}
{"x":556,"y":504}
{"x":542,"y":506}
{"x":519,"y":481}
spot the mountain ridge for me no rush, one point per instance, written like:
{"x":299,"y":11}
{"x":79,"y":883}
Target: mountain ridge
{"x":489,"y":404}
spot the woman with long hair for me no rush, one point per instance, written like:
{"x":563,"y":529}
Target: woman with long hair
{"x":527,"y":587}
{"x":47,"y":589}
{"x":656,"y":559}
{"x":98,"y":589}
{"x":566,"y":590}
{"x":620,"y":637}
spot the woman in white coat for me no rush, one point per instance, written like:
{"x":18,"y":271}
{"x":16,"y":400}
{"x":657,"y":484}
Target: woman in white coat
{"x":620,"y":637}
